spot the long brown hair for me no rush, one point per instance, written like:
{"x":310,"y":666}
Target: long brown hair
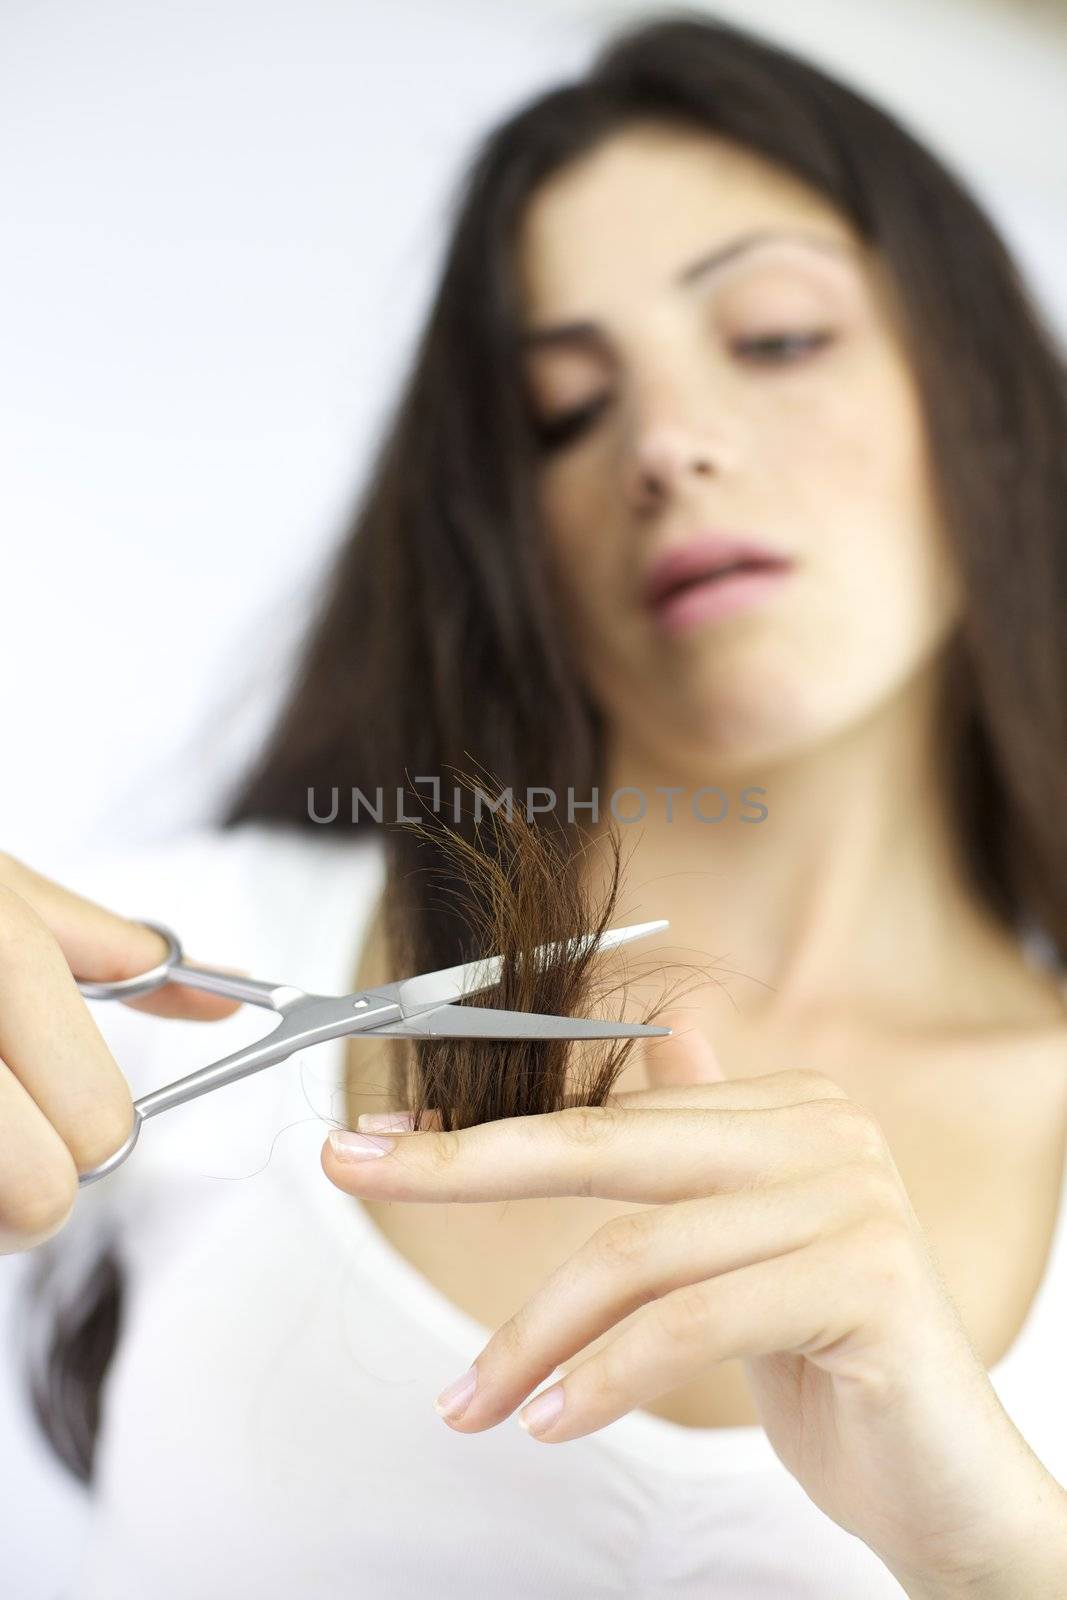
{"x":436,"y":640}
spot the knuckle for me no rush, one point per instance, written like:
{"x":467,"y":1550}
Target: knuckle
{"x":22,"y":932}
{"x":587,"y":1125}
{"x":101,"y":1130}
{"x":511,"y":1339}
{"x":40,"y":1209}
{"x":607,"y":1375}
{"x":683,"y":1316}
{"x":813,"y":1085}
{"x":868,"y":1136}
{"x":624,"y":1242}
{"x":446,"y":1147}
{"x":857,"y":1128}
{"x":877,"y":1185}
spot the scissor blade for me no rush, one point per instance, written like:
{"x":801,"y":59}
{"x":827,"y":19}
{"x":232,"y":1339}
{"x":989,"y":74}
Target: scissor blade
{"x":431,"y":989}
{"x":480,"y":1022}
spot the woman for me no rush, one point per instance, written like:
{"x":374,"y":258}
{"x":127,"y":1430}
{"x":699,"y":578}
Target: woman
{"x":705,"y":294}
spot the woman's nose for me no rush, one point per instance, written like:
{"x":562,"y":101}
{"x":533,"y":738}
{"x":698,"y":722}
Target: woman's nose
{"x":667,"y":458}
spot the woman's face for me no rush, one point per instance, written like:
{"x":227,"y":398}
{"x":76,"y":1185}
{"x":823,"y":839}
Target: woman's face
{"x":764,"y":398}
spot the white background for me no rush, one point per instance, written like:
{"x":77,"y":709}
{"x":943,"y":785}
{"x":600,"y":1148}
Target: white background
{"x":219,"y":223}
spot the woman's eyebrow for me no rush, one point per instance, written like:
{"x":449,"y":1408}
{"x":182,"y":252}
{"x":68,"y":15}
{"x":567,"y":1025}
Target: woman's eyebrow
{"x":589,"y":332}
{"x":701,"y":268}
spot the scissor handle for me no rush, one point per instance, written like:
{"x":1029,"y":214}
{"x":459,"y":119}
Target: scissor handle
{"x":307,"y":1019}
{"x":143,"y":982}
{"x":175,"y":969}
{"x":119,"y":1155}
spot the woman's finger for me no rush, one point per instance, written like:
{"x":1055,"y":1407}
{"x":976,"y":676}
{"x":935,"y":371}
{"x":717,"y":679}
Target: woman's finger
{"x":52,"y":1046}
{"x":612,"y":1152}
{"x":685,"y":1056}
{"x":103,"y":947}
{"x":192,"y":1005}
{"x":641,"y":1257}
{"x":799,"y":1302}
{"x":38,"y":1177}
{"x":790,"y":1087}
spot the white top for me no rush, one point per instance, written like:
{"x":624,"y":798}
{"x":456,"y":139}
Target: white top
{"x":268,"y":1418}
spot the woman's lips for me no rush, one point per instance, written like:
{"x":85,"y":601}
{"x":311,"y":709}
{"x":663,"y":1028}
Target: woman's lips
{"x":711,"y":577}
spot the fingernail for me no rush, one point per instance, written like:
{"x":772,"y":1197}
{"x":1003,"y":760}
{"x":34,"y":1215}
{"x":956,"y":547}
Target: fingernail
{"x":358,"y":1146}
{"x":387,"y":1121}
{"x":541,"y":1413}
{"x":453,"y":1401}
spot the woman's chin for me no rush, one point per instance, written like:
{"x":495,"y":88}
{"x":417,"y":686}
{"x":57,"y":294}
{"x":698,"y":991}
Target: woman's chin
{"x":730,"y":733}
{"x":738,"y":725}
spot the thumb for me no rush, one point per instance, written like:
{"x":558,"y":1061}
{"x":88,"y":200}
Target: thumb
{"x":685,"y":1056}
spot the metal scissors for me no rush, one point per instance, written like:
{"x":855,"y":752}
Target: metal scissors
{"x":412,"y":1008}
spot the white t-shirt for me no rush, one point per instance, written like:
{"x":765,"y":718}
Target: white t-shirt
{"x":268,"y":1425}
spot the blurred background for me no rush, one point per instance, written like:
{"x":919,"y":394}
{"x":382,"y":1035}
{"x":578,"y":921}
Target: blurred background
{"x":219,"y":226}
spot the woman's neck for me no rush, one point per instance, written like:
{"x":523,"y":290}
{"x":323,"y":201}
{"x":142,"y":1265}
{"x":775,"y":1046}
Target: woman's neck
{"x":848,"y":900}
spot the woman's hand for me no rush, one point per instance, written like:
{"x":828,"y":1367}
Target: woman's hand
{"x":778,"y":1232}
{"x":64,"y":1104}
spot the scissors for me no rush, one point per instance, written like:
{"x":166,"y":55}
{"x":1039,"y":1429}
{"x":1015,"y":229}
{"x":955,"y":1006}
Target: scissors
{"x":411,"y":1008}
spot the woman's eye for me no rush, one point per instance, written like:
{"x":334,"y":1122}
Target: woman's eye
{"x":552,"y":432}
{"x":781,"y":349}
{"x":767,"y":350}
